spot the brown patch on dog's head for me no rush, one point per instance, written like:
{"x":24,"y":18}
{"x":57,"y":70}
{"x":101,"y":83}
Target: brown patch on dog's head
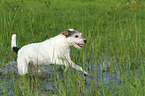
{"x":67,"y":33}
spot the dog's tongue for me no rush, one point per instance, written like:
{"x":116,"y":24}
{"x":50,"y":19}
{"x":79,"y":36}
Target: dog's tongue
{"x":81,"y":45}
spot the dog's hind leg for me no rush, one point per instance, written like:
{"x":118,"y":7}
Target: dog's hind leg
{"x":22,"y":67}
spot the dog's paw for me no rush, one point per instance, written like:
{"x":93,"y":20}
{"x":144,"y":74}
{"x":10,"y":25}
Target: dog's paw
{"x":86,"y":74}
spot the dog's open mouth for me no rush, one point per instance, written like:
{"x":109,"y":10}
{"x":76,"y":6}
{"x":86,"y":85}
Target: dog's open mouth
{"x":80,"y":45}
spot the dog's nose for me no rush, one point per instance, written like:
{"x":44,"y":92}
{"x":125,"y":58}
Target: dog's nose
{"x":85,"y":41}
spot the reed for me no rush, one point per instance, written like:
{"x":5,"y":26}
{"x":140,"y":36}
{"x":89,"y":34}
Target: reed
{"x":113,"y":55}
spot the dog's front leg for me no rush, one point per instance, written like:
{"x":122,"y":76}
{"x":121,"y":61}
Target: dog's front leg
{"x":66,"y":67}
{"x":77,"y":67}
{"x":62,"y":62}
{"x":66,"y":64}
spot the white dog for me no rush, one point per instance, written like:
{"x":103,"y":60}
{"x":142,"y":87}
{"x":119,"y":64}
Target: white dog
{"x":55,"y":50}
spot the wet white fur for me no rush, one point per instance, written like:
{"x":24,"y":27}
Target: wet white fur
{"x":55,"y":50}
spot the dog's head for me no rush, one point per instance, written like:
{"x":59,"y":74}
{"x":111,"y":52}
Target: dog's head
{"x":74,"y":38}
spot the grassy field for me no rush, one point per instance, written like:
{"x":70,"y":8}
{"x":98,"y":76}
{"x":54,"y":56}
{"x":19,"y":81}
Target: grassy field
{"x":113,"y":55}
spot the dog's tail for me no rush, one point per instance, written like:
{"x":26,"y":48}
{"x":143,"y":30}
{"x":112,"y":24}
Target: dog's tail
{"x":13,"y":44}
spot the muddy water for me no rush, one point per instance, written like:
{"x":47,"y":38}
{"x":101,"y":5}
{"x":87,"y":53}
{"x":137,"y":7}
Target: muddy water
{"x":9,"y":75}
{"x":101,"y":74}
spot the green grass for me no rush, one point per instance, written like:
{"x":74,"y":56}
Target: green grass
{"x":115,"y":37}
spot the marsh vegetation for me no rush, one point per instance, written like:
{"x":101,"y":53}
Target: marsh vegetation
{"x":113,"y":55}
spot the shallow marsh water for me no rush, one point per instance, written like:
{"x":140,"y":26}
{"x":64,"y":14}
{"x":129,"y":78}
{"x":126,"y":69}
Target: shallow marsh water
{"x":104,"y":72}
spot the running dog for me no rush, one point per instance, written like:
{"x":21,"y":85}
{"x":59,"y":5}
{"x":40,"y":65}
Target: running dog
{"x":55,"y":50}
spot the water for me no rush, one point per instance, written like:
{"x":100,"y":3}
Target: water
{"x":102,"y":72}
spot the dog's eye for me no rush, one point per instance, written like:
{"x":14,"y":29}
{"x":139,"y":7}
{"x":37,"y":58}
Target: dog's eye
{"x":76,"y":36}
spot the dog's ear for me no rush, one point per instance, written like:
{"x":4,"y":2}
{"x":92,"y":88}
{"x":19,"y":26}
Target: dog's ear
{"x":67,"y":33}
